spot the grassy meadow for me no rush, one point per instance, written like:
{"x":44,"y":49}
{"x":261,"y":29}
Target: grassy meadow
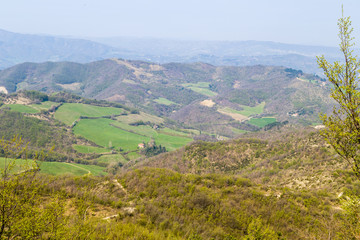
{"x":200,"y":87}
{"x":249,"y":111}
{"x":164,"y":101}
{"x":53,"y":168}
{"x":69,"y":112}
{"x":261,"y":122}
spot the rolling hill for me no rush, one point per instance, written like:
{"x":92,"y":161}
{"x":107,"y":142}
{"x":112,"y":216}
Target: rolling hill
{"x":219,"y":100}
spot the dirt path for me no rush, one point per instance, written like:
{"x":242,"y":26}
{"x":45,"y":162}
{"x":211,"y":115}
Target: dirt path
{"x":129,"y":210}
{"x":120,"y":186}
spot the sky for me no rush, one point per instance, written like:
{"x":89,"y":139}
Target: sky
{"x":309,"y":22}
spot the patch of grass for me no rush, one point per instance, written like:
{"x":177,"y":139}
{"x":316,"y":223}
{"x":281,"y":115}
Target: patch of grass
{"x":176,"y":133}
{"x":168,"y":138}
{"x":22,"y":108}
{"x":69,"y":112}
{"x":261,"y":122}
{"x":54,"y":168}
{"x":131,"y":118}
{"x":90,"y":149}
{"x":133,"y":155}
{"x":172,"y":142}
{"x":141,"y":129}
{"x":164,"y":101}
{"x":238,"y":131}
{"x":44,"y":105}
{"x":59,"y":168}
{"x":91,"y":129}
{"x":108,"y":158}
{"x":249,"y":111}
{"x":200,"y":87}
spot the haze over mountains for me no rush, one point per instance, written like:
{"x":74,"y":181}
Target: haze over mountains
{"x":16,"y":48}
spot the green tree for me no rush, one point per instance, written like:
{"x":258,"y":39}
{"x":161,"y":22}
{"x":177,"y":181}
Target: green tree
{"x":23,"y":214}
{"x":342,"y":130}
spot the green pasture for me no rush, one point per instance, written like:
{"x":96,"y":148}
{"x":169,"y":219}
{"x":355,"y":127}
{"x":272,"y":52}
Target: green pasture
{"x":248,"y":111}
{"x":238,"y":131}
{"x":261,"y":122}
{"x":102,"y":133}
{"x":164,"y":101}
{"x":168,"y":138}
{"x":131,"y":118}
{"x":69,"y":112}
{"x":54,"y":168}
{"x":174,"y":132}
{"x":108,"y":158}
{"x":22,"y":108}
{"x":125,"y":136}
{"x":59,"y":168}
{"x":133,"y":155}
{"x":90,"y":149}
{"x":200,"y":87}
{"x":43,"y":105}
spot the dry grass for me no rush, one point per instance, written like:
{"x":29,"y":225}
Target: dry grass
{"x":207,"y":103}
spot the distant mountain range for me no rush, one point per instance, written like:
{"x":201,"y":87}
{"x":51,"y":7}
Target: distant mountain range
{"x":18,"y":48}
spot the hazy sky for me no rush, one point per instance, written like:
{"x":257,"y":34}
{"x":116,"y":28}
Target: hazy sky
{"x":290,"y":21}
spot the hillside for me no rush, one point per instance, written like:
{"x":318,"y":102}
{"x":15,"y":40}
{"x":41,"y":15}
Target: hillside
{"x":219,"y":100}
{"x":72,"y":129}
{"x":283,"y":185}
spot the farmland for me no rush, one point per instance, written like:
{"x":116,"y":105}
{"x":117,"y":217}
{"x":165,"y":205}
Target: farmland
{"x":21,"y":108}
{"x":118,"y":135}
{"x":249,"y":111}
{"x":69,"y":112}
{"x":164,"y":101}
{"x":110,"y":136}
{"x":90,"y":149}
{"x":261,"y":122}
{"x":54,"y":168}
{"x":200,"y":87}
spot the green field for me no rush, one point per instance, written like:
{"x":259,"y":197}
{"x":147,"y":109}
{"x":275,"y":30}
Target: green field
{"x":169,"y":138}
{"x":22,"y":108}
{"x":261,"y":122}
{"x":164,"y":101}
{"x":128,"y":137}
{"x":249,"y":111}
{"x":174,"y":132}
{"x":108,"y":158}
{"x":238,"y":131}
{"x":90,"y":149}
{"x":59,"y":168}
{"x":200,"y":87}
{"x":44,"y":105}
{"x":131,"y":118}
{"x":102,"y":133}
{"x":133,"y":155}
{"x":54,"y":168}
{"x":69,"y":112}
